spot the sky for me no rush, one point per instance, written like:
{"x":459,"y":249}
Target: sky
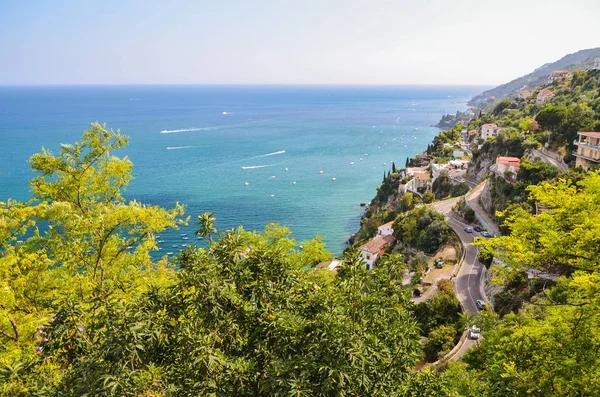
{"x":438,"y":42}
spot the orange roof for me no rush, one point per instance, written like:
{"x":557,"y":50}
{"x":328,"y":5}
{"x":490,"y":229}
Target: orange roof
{"x":424,"y":176}
{"x":508,"y":160}
{"x":378,"y":243}
{"x":546,"y":92}
{"x":560,"y":71}
{"x":389,"y":224}
{"x":489,"y":125}
{"x":592,"y":134}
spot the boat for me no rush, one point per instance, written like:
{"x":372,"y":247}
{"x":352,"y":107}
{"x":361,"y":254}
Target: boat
{"x":363,"y":204}
{"x":366,"y":154}
{"x":416,"y":129}
{"x":273,"y":177}
{"x":272,"y":195}
{"x":286,"y":168}
{"x":352,"y":163}
{"x":224,"y":113}
{"x":360,"y":159}
{"x":384,"y":164}
{"x":293,"y":183}
{"x":200,"y":237}
{"x":169,"y":253}
{"x":174,"y":246}
{"x":160,"y":241}
{"x":320,"y":172}
{"x":183,"y":234}
{"x":246,"y":183}
{"x":333,"y":179}
{"x":186,"y":238}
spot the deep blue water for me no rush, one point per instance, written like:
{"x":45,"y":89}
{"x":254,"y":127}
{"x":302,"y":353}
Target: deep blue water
{"x":185,"y":149}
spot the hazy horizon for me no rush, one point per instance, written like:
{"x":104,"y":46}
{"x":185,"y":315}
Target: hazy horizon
{"x":267,"y":42}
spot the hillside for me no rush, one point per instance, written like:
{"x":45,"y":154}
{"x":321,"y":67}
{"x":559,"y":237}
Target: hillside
{"x":581,"y":60}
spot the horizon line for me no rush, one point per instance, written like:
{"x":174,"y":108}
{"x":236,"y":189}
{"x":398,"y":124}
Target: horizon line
{"x":243,"y":84}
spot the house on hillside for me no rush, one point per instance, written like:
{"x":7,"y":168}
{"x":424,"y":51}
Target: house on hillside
{"x":524,"y":94}
{"x":504,"y":164}
{"x":544,"y":95}
{"x":558,"y":74}
{"x":596,"y":64}
{"x":488,"y":130}
{"x":588,"y":150}
{"x":422,"y":180}
{"x":375,"y":248}
{"x":386,"y":229}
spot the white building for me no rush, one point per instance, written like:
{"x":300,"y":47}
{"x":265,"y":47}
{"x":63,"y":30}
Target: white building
{"x":488,"y":130}
{"x":559,"y":74}
{"x":386,"y":229}
{"x":596,"y":64}
{"x":504,"y":164}
{"x":374,"y":249}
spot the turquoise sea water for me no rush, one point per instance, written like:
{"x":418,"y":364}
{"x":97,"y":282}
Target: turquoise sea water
{"x":200,"y":145}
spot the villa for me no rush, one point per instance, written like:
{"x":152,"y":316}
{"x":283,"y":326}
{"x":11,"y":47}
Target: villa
{"x":524,"y":94}
{"x":375,"y":248}
{"x":544,"y":95}
{"x":510,"y":164}
{"x":588,"y":150}
{"x":422,"y":180}
{"x":488,"y":130}
{"x":386,"y":229}
{"x":559,"y":74}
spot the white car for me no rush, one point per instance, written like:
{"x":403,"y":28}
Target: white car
{"x":474,"y":333}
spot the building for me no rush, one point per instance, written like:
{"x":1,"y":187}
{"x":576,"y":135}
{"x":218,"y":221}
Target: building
{"x":422,"y":180}
{"x":472,"y":133}
{"x":386,"y":229}
{"x":596,"y":64}
{"x":504,"y":164}
{"x":374,"y":249}
{"x":329,"y":265}
{"x":559,"y":74}
{"x":544,"y":95}
{"x":588,"y":150}
{"x":488,"y":130}
{"x":524,"y":94}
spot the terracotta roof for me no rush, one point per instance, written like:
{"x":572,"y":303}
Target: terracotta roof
{"x":560,"y":71}
{"x":378,"y":243}
{"x":473,"y":132}
{"x":489,"y":125}
{"x":545,"y":92}
{"x":424,"y":176}
{"x":592,"y":134}
{"x":508,"y":160}
{"x":389,"y":224}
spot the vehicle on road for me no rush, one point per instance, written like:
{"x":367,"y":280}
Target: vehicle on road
{"x":462,"y":180}
{"x":486,"y":234}
{"x":474,"y":332}
{"x":477,"y":228}
{"x":480,"y":304}
{"x":469,"y":229}
{"x":439,"y":265}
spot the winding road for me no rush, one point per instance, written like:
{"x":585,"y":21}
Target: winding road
{"x":468,"y":282}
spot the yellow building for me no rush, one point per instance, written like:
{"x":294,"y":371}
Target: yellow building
{"x":588,"y":149}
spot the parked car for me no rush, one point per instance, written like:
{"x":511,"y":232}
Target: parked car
{"x":480,"y":304}
{"x":439,"y":265}
{"x":469,"y":229}
{"x":477,"y":228}
{"x":474,"y":332}
{"x":485,"y":234}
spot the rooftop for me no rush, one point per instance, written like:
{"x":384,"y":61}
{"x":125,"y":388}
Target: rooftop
{"x":546,"y":92}
{"x":378,"y":243}
{"x":508,"y":160}
{"x":389,"y":224}
{"x":424,"y":176}
{"x":489,"y":125}
{"x":592,"y":134}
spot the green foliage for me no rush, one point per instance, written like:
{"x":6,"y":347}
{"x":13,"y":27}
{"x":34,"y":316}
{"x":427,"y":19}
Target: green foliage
{"x":423,"y":229}
{"x":469,"y":214}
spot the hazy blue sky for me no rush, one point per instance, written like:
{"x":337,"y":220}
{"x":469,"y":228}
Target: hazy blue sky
{"x":304,"y":41}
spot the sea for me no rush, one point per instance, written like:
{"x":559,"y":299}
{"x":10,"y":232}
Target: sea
{"x":305,"y":157}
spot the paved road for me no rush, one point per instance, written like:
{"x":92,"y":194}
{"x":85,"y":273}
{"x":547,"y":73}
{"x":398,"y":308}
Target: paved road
{"x":468,"y":281}
{"x":547,"y":159}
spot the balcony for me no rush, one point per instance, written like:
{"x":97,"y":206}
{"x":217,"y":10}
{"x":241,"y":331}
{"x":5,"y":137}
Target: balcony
{"x":586,"y":144}
{"x":595,"y":159}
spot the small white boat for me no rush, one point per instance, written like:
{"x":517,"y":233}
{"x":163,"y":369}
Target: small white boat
{"x":246,"y":183}
{"x":352,"y":163}
{"x":416,"y":129}
{"x":224,"y":113}
{"x":293,"y":183}
{"x":272,"y":195}
{"x":333,"y":179}
{"x":273,"y":177}
{"x":373,"y":126}
{"x":394,"y":139}
{"x":366,"y":154}
{"x":320,"y":172}
{"x":360,"y":159}
{"x":169,"y":253}
{"x":384,"y":164}
{"x":174,"y":246}
{"x":160,"y":241}
{"x":186,"y":238}
{"x":286,"y":168}
{"x":183,"y":234}
{"x":378,"y":147}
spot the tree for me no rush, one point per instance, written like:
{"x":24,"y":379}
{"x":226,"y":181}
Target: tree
{"x":428,"y":197}
{"x":206,"y":223}
{"x":82,"y":242}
